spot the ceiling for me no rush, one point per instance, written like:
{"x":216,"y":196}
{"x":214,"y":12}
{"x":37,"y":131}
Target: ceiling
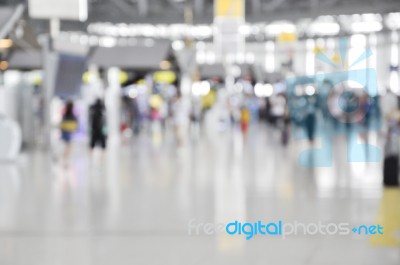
{"x":172,"y":11}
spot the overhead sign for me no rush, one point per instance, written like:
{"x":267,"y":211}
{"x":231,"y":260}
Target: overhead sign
{"x":166,"y":77}
{"x":286,"y":37}
{"x":61,"y":9}
{"x":229,"y":8}
{"x":229,"y":16}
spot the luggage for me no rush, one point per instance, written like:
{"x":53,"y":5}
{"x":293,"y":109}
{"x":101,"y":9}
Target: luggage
{"x":391,"y":161}
{"x":391,"y":170}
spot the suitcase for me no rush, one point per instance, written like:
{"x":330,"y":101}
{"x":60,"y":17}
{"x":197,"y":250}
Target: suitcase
{"x":391,"y":170}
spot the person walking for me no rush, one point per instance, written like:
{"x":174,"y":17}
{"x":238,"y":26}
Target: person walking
{"x":69,"y":125}
{"x":97,"y":125}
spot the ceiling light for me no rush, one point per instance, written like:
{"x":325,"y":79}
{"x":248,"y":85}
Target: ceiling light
{"x":108,"y":42}
{"x":3,"y":65}
{"x":366,"y":27}
{"x":6,"y":43}
{"x":277,"y":28}
{"x":310,"y":90}
{"x":178,"y":45}
{"x":201,"y":88}
{"x":324,"y":28}
{"x":263,"y":91}
{"x":392,"y":21}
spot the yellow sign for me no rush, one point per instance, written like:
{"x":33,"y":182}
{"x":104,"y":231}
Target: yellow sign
{"x":229,"y":8}
{"x":166,"y":77}
{"x":123,"y":77}
{"x":286,"y":37}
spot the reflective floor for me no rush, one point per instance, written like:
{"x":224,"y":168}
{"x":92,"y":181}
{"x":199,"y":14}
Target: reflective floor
{"x":132,"y":205}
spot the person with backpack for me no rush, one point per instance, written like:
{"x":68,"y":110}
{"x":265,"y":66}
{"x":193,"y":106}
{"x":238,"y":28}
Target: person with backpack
{"x":69,"y":125}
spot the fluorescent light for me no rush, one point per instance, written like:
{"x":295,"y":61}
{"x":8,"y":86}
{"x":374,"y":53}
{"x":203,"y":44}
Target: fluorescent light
{"x":84,"y":40}
{"x":201,"y":88}
{"x":250,"y":58}
{"x":270,"y":57}
{"x":83,"y":10}
{"x":201,"y":57}
{"x":178,"y":45}
{"x":392,"y":21}
{"x":268,"y":90}
{"x":366,"y":26}
{"x":263,"y":91}
{"x":324,"y":28}
{"x":244,"y":30}
{"x":206,"y":87}
{"x":310,"y":57}
{"x":310,"y":90}
{"x":240,"y":58}
{"x":210,"y":57}
{"x":108,"y":42}
{"x":258,"y":89}
{"x":277,"y":28}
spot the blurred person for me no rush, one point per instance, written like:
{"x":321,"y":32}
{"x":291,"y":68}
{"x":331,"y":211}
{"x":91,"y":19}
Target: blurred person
{"x":366,"y":106}
{"x":97,"y":119}
{"x":310,"y":119}
{"x":135,"y":116}
{"x":155,"y":104}
{"x":207,"y":102}
{"x":350,"y":103}
{"x":254,"y":107}
{"x":267,"y":109}
{"x":164,"y":114}
{"x":234,"y":103}
{"x":69,"y":125}
{"x":392,"y":152}
{"x":277,"y":109}
{"x":325,"y":90}
{"x":389,"y":104}
{"x":334,"y":108}
{"x":142,"y":104}
{"x":180,"y":116}
{"x":285,"y":131}
{"x":125,"y":117}
{"x":155,"y":114}
{"x":156,"y":125}
{"x":195,"y":116}
{"x":245,"y":116}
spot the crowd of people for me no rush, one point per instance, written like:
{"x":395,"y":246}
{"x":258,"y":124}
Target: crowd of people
{"x":97,"y":126}
{"x":306,"y":111}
